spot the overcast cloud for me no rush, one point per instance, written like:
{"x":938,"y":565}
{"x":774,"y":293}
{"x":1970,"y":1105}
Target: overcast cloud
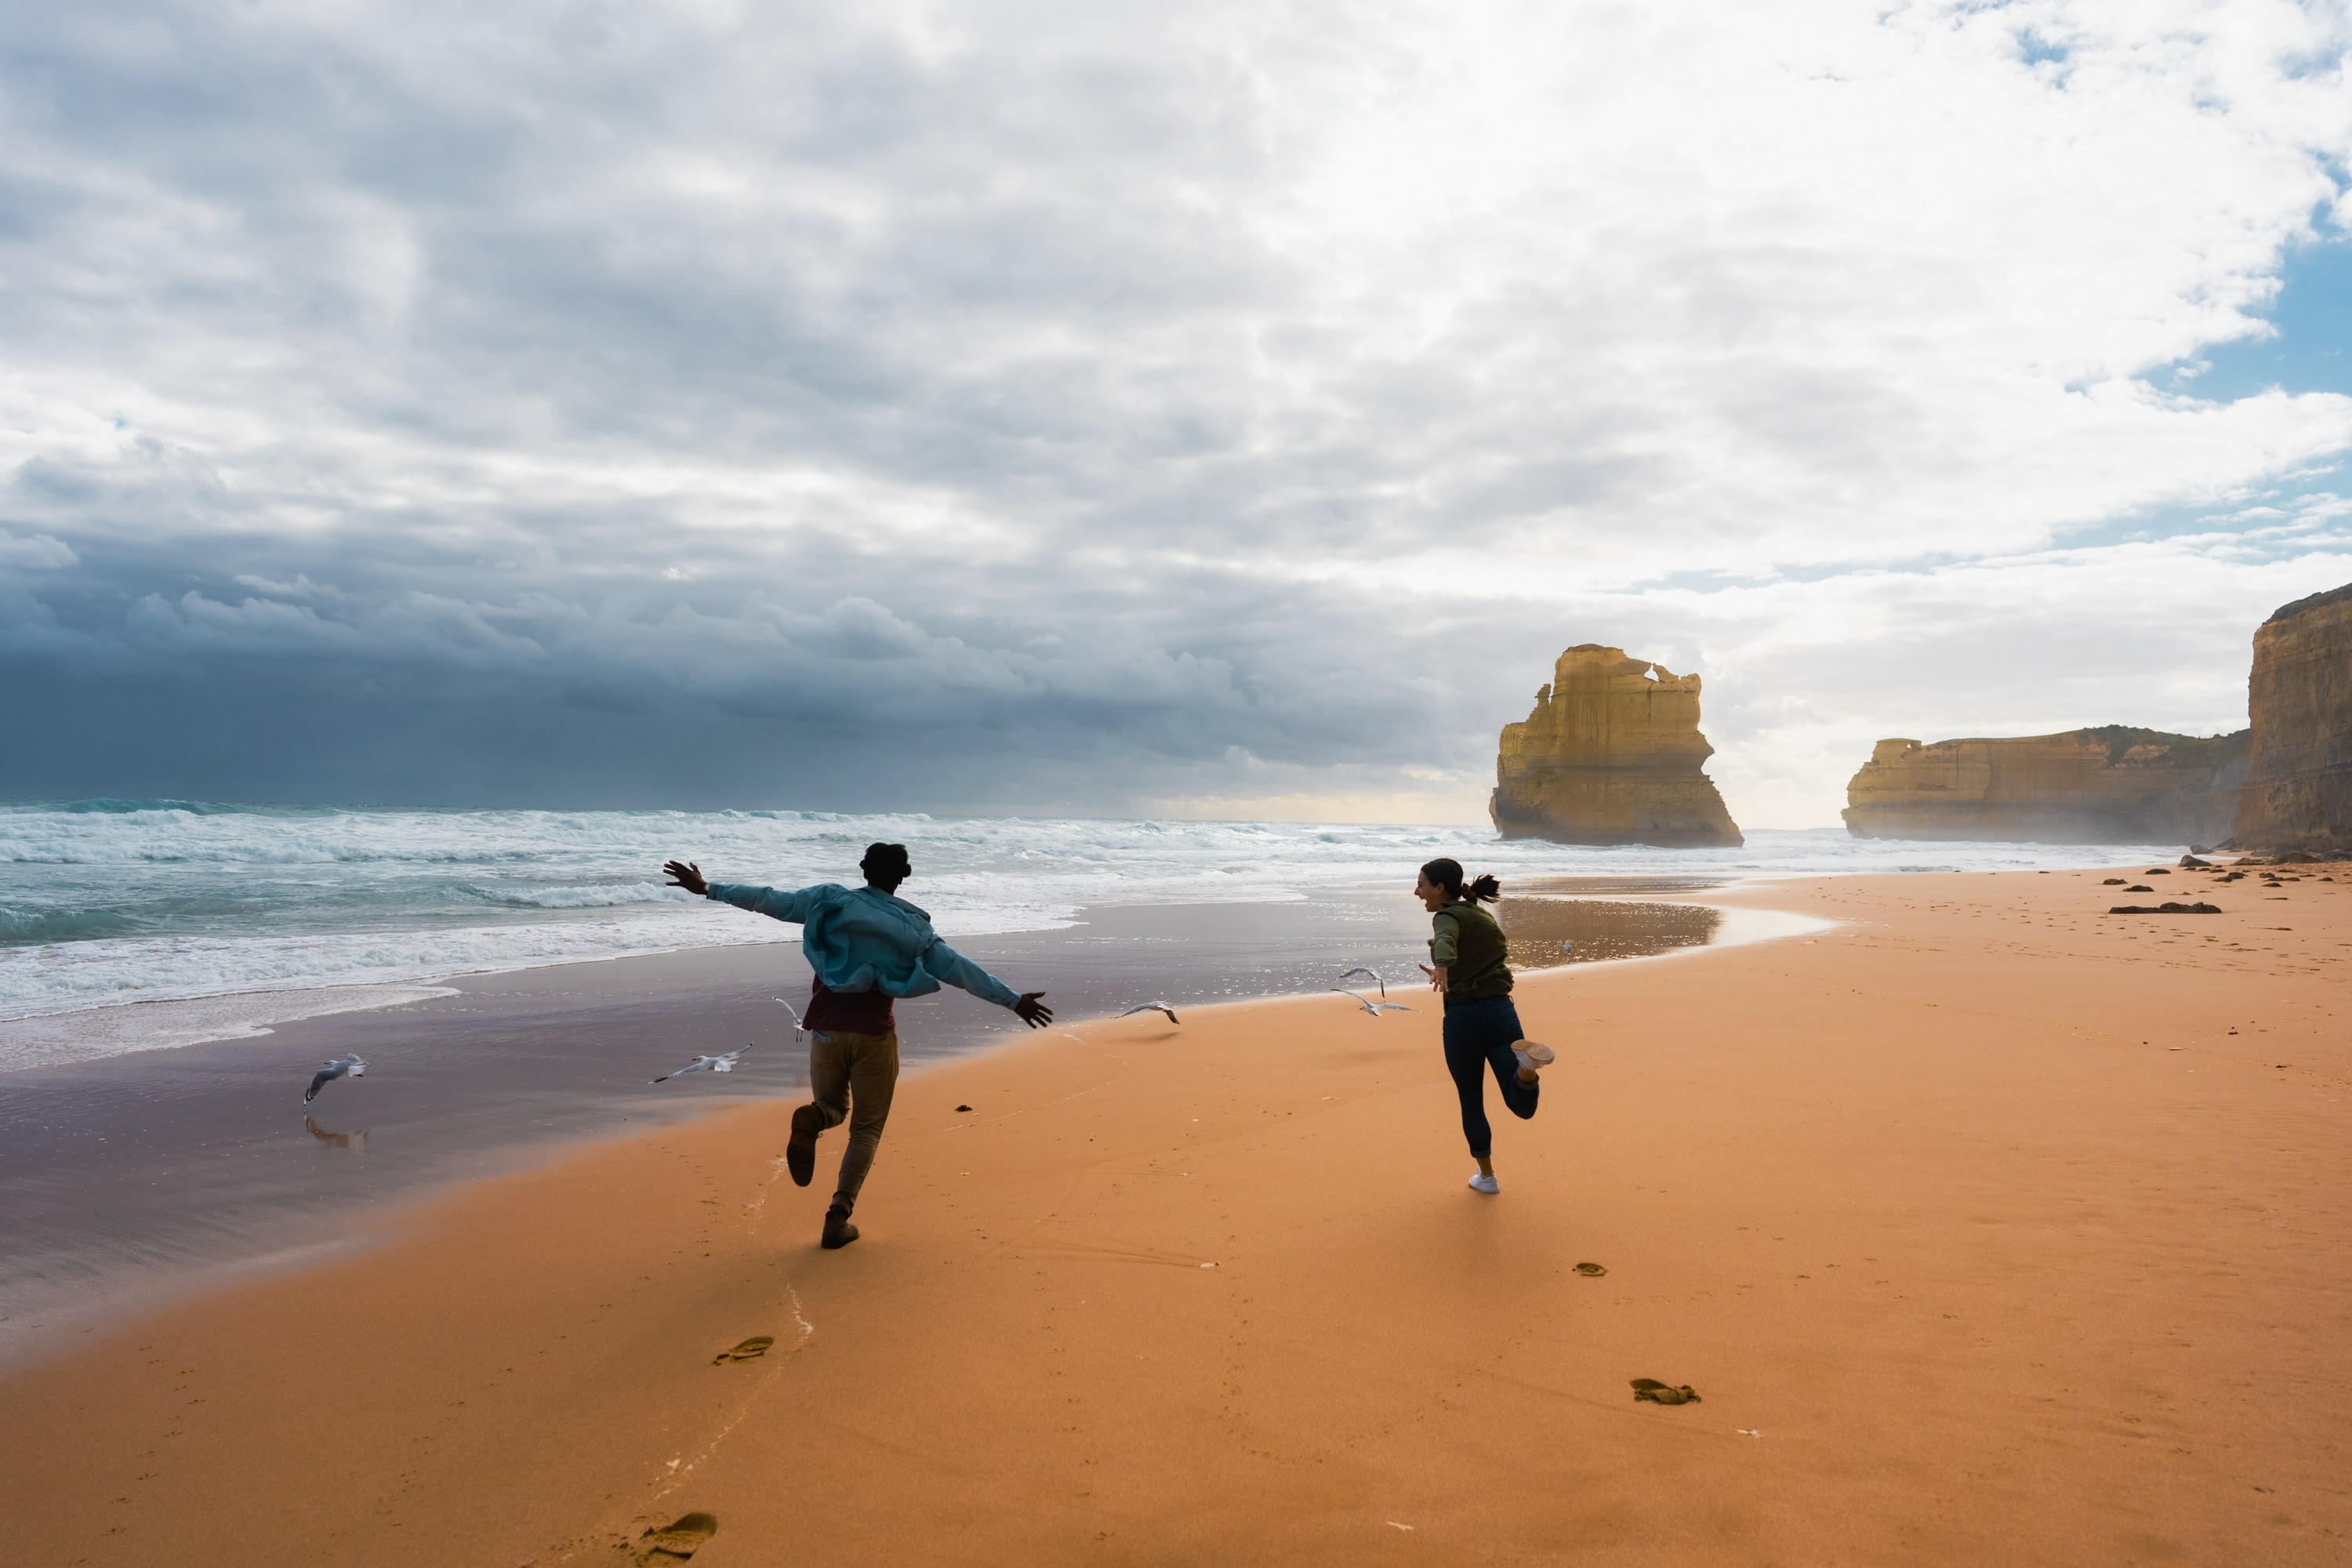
{"x":1100,"y":409}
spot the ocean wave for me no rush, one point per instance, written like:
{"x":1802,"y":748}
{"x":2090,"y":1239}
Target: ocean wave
{"x":38,"y":982}
{"x":103,"y":831}
{"x":104,"y":805}
{"x":588,"y":897}
{"x":21,"y":927}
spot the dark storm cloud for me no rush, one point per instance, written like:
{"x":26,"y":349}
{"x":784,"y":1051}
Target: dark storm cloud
{"x":1073,"y":408}
{"x":788,"y":674}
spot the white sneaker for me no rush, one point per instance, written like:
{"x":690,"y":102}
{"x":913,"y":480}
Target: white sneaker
{"x":1532,"y":1056}
{"x":1482,"y":1182}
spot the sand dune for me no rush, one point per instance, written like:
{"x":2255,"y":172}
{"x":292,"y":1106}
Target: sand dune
{"x":1980,"y":1234}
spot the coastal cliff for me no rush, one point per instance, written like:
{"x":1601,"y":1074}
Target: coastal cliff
{"x":2298,"y":793}
{"x":2114,"y":784}
{"x":1611,"y":755}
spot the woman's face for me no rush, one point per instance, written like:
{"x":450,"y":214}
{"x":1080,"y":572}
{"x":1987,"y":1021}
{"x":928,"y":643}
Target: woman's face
{"x":1431,"y":896}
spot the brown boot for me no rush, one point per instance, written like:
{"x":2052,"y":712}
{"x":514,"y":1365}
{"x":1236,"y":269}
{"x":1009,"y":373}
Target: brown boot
{"x":839,"y":1231}
{"x":799,"y":1153}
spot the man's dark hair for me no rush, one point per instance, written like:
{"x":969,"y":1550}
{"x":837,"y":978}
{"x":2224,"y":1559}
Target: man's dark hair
{"x":886,"y":865}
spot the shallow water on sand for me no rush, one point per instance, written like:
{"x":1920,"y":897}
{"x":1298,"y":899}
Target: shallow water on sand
{"x":133,"y":1176}
{"x":1544,"y":932}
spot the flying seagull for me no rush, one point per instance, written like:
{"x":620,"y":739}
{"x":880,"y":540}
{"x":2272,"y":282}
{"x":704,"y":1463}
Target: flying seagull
{"x":334,"y":1069}
{"x":1372,"y":974}
{"x":1152,"y":1008}
{"x":799,"y":1028}
{"x":1374,"y":1009}
{"x":699,"y":1063}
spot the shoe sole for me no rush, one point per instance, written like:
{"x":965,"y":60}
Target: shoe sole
{"x":800,"y":1153}
{"x":1541,"y":1055}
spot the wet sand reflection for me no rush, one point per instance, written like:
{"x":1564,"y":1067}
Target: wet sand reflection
{"x":355,"y":1141}
{"x":1599,"y":928}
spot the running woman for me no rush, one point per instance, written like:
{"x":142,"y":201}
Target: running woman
{"x":1468,"y":966}
{"x":868,"y":946}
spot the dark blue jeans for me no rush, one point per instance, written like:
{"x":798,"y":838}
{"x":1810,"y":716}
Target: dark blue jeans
{"x":1479,"y":1033}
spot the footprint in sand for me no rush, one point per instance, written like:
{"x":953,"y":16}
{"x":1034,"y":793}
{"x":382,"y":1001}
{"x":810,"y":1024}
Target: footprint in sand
{"x":1591,"y":1270}
{"x":750,"y":1350}
{"x":677,"y":1542}
{"x":1657,"y":1393}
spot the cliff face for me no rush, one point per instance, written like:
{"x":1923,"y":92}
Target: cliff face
{"x":1612,"y":755}
{"x":2110,"y":786}
{"x":2298,"y":792}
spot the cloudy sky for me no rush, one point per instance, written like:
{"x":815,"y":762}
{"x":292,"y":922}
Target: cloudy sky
{"x":1222,"y":409}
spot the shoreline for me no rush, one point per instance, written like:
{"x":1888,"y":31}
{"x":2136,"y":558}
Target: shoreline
{"x":132,"y":1181}
{"x":47,"y":1035}
{"x":340,"y":1000}
{"x":299,"y":1006}
{"x":1979,"y":1232}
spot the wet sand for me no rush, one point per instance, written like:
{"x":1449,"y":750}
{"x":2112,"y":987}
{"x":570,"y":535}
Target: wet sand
{"x":1981,"y":1235}
{"x":129,"y":1179}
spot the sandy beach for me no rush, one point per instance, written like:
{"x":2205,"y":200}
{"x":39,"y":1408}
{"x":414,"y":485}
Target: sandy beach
{"x":131,"y":1180}
{"x":1988,"y":1226}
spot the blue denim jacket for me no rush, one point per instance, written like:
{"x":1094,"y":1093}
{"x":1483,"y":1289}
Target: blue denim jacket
{"x":862,"y":939}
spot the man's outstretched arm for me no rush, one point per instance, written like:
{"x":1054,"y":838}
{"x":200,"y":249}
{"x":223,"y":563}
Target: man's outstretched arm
{"x":944,"y":962}
{"x":796,"y":906}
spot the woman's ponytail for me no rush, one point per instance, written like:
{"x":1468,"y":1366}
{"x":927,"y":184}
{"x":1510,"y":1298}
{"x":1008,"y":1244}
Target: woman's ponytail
{"x":1446,"y":873}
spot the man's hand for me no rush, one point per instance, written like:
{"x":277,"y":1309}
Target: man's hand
{"x":1032,"y":1011}
{"x":687,"y":875}
{"x":1436,"y":976}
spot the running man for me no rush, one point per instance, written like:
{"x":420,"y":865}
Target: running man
{"x":1468,"y":966}
{"x":868,"y":947}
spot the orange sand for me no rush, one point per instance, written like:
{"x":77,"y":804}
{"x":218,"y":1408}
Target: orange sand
{"x":1967,"y":1261}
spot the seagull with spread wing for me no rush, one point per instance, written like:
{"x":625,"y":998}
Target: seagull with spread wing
{"x":705,"y":1064}
{"x":1373,"y":975}
{"x":1374,"y":1009}
{"x":341,"y":1067}
{"x":1152,"y":1008}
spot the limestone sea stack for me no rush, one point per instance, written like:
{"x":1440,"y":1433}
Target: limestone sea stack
{"x":2298,"y":793}
{"x":1612,"y":755}
{"x":2114,"y":784}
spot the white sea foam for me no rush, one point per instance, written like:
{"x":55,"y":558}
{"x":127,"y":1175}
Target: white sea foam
{"x":604,"y":898}
{"x":70,"y":977}
{"x":108,"y":903}
{"x":54,"y":1039}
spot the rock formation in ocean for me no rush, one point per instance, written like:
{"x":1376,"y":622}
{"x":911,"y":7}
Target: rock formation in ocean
{"x":2114,"y":784}
{"x":2298,"y":793}
{"x":1612,"y":755}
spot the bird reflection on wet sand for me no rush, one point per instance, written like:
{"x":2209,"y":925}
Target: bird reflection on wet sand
{"x":354,"y":1141}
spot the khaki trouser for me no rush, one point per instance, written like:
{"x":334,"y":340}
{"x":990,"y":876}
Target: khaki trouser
{"x":848,"y":1071}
